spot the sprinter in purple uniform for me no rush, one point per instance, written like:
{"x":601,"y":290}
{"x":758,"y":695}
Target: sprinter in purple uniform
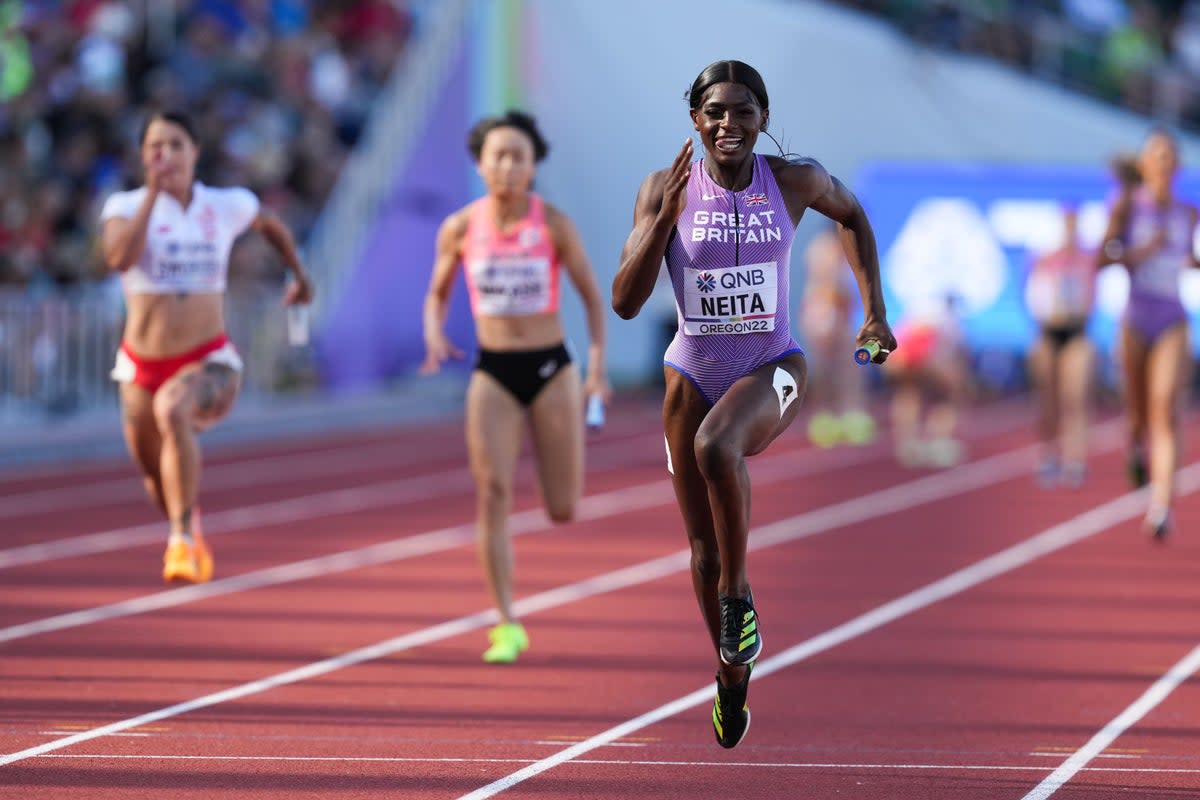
{"x":734,"y":374}
{"x":1151,"y":231}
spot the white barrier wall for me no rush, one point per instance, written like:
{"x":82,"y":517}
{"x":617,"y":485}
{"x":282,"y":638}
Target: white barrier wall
{"x":607,"y":81}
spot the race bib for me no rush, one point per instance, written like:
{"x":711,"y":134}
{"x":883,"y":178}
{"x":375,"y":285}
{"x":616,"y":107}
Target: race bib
{"x":508,"y":285}
{"x":731,"y":300}
{"x":1055,"y":295}
{"x":188,"y":265}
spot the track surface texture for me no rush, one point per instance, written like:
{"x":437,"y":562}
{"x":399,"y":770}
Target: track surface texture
{"x":952,"y":634}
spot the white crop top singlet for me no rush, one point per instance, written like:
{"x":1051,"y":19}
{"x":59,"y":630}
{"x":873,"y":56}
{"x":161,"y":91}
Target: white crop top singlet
{"x":187,"y":249}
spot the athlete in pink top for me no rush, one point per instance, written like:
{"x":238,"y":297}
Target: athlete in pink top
{"x":1150,"y":232}
{"x":513,"y":247}
{"x":724,"y":224}
{"x":1058,"y":295}
{"x":170,"y":240}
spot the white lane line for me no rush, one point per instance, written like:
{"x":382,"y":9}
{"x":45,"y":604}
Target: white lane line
{"x":1051,"y":540}
{"x":381,"y":495}
{"x":1157,"y":692}
{"x":250,"y":474}
{"x":785,"y":466}
{"x":612,"y":762}
{"x":312,"y":506}
{"x":981,"y":473}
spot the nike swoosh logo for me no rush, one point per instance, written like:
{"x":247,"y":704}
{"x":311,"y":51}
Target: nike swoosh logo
{"x":707,"y":197}
{"x":547,"y":369}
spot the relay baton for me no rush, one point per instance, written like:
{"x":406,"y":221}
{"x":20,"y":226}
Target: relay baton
{"x":867,"y":352}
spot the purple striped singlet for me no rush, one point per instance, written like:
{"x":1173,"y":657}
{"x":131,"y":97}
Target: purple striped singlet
{"x":1154,"y":302}
{"x":729,"y":264}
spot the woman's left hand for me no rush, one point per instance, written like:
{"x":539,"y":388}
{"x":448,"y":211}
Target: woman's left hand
{"x":597,"y":383}
{"x":299,"y":291}
{"x":877,"y":328}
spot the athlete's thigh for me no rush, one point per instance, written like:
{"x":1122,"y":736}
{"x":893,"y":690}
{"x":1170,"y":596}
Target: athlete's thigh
{"x":1168,"y":369}
{"x":202,"y":392}
{"x":759,"y":406}
{"x":1041,"y":363}
{"x":1076,"y":370}
{"x":495,"y":423}
{"x":556,"y":420}
{"x":138,"y":426}
{"x":684,"y":409}
{"x":1134,"y":360}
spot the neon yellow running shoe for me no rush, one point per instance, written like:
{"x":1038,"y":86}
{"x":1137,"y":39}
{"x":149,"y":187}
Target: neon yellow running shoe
{"x":508,"y":640}
{"x":858,"y":427}
{"x":731,"y":712}
{"x":824,"y":429}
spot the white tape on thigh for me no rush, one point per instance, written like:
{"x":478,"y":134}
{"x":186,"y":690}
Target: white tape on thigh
{"x":670,"y":466}
{"x":785,"y":387}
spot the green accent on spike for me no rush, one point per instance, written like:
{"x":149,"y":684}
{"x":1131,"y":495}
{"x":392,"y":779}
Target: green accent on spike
{"x":747,"y":642}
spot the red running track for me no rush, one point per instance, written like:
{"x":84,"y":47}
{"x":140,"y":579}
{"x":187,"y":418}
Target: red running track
{"x":954,"y":634}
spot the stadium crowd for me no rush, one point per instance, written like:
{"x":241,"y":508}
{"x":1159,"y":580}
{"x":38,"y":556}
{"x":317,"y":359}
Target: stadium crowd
{"x":279,"y":89}
{"x":1141,"y":54}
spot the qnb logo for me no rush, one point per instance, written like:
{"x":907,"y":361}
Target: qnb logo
{"x":946,"y":247}
{"x":705,"y":282}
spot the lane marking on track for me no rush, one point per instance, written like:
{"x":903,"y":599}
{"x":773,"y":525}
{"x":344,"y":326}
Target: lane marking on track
{"x":385,"y":494}
{"x":252,"y":473}
{"x":771,"y":469}
{"x":814,"y":765}
{"x":1053,"y":539}
{"x":985,"y":472}
{"x":1158,"y":691}
{"x":382,"y":494}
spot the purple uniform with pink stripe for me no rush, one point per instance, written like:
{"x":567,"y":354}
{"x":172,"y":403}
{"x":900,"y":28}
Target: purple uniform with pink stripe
{"x":729,"y":265}
{"x":1154,"y":302}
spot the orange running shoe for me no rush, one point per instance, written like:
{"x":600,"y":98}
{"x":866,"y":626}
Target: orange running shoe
{"x":188,"y":563}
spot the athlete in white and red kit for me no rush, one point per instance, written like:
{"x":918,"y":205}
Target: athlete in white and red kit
{"x":170,"y":239}
{"x":724,"y":224}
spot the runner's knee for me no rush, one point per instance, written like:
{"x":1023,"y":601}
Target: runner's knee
{"x":172,"y":413}
{"x":715,"y":457}
{"x":492,"y":489}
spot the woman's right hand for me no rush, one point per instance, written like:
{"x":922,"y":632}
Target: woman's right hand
{"x":438,"y":350}
{"x":157,"y":173}
{"x":676,"y":183}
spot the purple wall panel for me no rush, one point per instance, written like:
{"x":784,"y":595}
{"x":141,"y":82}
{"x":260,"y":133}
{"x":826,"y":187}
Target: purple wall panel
{"x":374,"y":333}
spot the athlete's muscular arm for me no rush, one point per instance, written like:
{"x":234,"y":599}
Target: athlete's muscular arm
{"x":438,"y":348}
{"x":275,"y":232}
{"x":1115,"y":248}
{"x":572,"y":255}
{"x":123,"y":241}
{"x":1193,"y":262}
{"x":660,"y":201}
{"x":810,"y":184}
{"x":1112,"y":248}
